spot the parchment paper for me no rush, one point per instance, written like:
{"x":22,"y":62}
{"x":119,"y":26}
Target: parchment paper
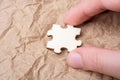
{"x":23,"y":28}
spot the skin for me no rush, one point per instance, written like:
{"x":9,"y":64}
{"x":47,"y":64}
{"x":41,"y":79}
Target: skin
{"x":91,"y":58}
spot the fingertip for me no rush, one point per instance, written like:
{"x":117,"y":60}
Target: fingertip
{"x":70,"y":20}
{"x":74,"y":16}
{"x":74,"y":60}
{"x":83,"y":12}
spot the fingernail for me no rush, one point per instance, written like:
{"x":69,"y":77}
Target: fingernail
{"x":75,"y":60}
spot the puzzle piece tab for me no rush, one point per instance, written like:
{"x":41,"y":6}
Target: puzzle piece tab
{"x":63,"y":38}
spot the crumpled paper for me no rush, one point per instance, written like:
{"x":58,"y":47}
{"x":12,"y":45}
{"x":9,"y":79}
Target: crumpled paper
{"x":23,"y":28}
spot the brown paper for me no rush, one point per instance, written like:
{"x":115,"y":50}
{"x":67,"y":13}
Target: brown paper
{"x":23,"y":28}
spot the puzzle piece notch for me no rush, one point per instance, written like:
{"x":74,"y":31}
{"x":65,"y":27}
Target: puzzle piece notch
{"x":63,"y":38}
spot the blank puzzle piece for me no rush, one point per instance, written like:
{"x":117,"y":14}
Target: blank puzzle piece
{"x":63,"y":38}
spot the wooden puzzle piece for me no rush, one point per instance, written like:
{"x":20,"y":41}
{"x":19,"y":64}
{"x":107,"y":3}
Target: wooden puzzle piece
{"x":63,"y":38}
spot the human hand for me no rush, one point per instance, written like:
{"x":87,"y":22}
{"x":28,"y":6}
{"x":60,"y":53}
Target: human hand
{"x":91,"y":58}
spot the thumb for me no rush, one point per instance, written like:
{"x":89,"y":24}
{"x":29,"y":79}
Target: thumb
{"x":96,"y":59}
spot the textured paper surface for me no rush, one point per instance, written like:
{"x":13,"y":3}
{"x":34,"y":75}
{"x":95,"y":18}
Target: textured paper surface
{"x":23,"y":28}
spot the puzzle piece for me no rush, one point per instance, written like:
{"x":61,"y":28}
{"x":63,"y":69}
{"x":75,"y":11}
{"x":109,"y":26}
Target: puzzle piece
{"x":63,"y":38}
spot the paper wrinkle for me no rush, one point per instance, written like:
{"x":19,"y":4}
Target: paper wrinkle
{"x":23,"y":28}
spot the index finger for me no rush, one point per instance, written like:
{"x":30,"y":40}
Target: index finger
{"x":83,"y":11}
